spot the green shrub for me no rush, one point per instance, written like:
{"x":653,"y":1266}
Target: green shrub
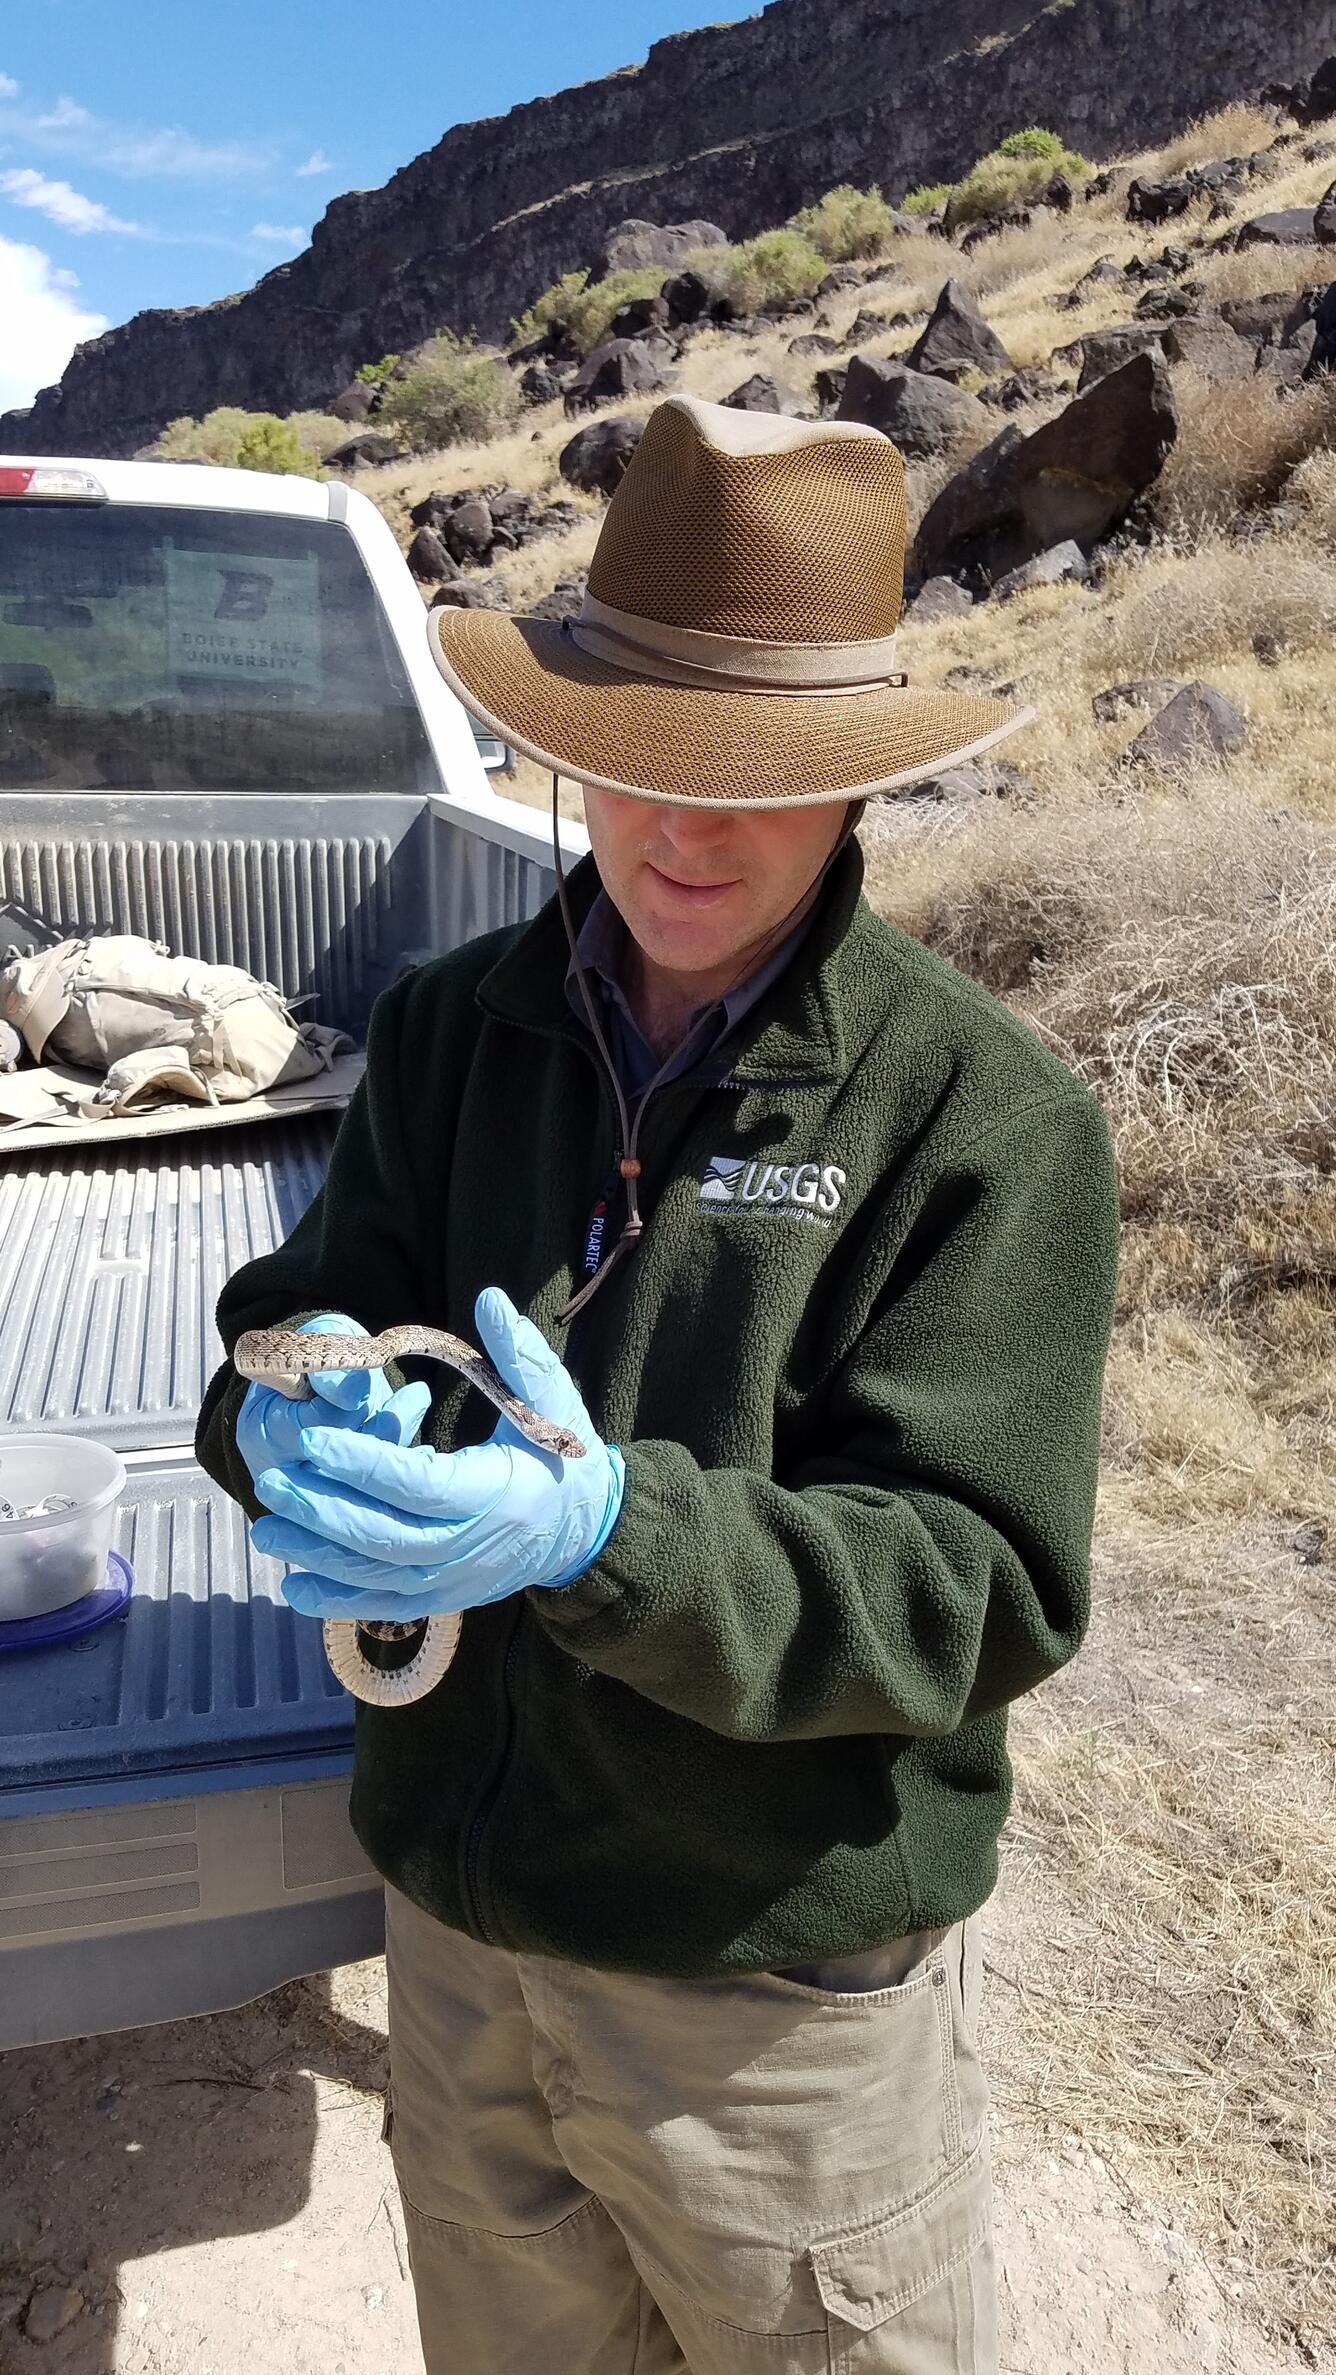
{"x":1009,"y":175}
{"x":374,"y":375}
{"x":216,"y":438}
{"x":319,"y":432}
{"x":233,"y":439}
{"x":273,"y":444}
{"x":451,"y":394}
{"x":780,"y":263}
{"x":847,"y":225}
{"x":1033,"y":142}
{"x":929,"y":198}
{"x":581,"y":312}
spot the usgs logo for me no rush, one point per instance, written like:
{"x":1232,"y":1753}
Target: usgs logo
{"x":810,"y":1191}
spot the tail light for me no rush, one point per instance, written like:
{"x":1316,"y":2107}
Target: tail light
{"x":51,"y":482}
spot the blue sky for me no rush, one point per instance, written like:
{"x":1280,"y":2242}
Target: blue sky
{"x":161,"y":152}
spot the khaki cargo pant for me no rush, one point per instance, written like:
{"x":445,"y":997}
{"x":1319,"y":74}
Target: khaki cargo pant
{"x":604,"y":2175}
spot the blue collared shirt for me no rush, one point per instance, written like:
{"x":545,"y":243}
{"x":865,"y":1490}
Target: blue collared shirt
{"x":602,"y":944}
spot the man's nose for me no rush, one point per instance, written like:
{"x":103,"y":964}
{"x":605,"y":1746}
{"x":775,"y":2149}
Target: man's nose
{"x":695,"y":828}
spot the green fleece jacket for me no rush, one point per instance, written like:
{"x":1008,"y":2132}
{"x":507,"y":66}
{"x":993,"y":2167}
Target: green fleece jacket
{"x":855,"y":1367}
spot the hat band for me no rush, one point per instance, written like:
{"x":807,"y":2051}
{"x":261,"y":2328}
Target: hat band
{"x":732,"y":663}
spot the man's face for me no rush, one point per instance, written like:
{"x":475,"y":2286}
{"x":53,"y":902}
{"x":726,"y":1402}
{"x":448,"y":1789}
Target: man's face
{"x":699,"y":889}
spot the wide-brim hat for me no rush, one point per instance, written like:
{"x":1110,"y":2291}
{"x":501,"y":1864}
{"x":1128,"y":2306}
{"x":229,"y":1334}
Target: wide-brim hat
{"x":737,"y":645}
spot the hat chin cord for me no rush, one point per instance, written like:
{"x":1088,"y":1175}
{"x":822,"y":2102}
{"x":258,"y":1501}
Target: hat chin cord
{"x":628,"y":1163}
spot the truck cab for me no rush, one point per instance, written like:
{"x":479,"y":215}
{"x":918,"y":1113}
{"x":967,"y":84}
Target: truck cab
{"x":220,"y":728}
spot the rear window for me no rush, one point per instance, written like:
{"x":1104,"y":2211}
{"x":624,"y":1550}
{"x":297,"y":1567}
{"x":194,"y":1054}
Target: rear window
{"x":147,"y":648}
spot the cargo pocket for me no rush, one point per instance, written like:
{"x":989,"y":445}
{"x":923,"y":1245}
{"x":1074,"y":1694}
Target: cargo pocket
{"x":915,"y":2288}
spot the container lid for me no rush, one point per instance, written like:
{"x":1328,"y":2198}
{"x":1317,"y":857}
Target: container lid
{"x":80,"y":1616}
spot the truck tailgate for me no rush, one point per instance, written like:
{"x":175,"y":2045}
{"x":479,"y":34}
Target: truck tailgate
{"x":182,"y":1769}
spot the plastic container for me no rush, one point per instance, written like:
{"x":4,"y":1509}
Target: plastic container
{"x":48,"y":1562}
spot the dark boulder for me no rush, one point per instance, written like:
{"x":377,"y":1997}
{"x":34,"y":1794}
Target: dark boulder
{"x":1076,"y":476}
{"x":1324,"y":221}
{"x":540,"y":384}
{"x":1170,"y":264}
{"x":1164,"y":304}
{"x":624,"y":367}
{"x":958,"y":338}
{"x":830,"y":387}
{"x":1198,"y":724}
{"x":865,"y":325}
{"x":360,"y":452}
{"x":355,"y":404}
{"x":469,"y":530}
{"x":566,"y":599}
{"x":1102,"y":274}
{"x":815,"y":342}
{"x":637,"y":316}
{"x":1063,"y":562}
{"x":428,"y":558}
{"x":641,"y":247}
{"x":1007,"y":218}
{"x":1311,"y":101}
{"x":841,"y":278}
{"x":1323,"y":357}
{"x":1210,"y":348}
{"x":596,"y":459}
{"x":1104,"y":351}
{"x":1144,"y":692}
{"x":1292,"y":227}
{"x":472,"y":593}
{"x":696,"y":297}
{"x":1160,"y":201}
{"x":1290,"y":362}
{"x":940,"y":598}
{"x":1033,"y":385}
{"x":762,"y":394}
{"x":920,"y":414}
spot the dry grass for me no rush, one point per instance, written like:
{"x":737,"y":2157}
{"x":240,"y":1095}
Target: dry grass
{"x":1237,"y":445}
{"x":1230,"y":132}
{"x":1174,"y":1821}
{"x":1173,"y":1845}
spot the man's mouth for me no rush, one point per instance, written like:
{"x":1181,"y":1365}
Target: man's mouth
{"x":690,"y":894}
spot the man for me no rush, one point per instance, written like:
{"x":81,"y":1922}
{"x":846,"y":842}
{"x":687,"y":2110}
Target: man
{"x":813,"y":1243}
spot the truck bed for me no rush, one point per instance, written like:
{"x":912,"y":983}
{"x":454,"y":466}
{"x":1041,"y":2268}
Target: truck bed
{"x":174,"y":1831}
{"x":182,"y":1768}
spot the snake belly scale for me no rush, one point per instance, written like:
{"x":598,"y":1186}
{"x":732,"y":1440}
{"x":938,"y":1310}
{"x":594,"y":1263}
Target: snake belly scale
{"x":285,"y":1359}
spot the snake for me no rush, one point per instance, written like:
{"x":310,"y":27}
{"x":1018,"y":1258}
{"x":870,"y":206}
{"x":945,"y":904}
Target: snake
{"x":285,"y":1359}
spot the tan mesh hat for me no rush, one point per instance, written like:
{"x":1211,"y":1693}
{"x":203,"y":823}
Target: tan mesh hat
{"x":736,"y":647}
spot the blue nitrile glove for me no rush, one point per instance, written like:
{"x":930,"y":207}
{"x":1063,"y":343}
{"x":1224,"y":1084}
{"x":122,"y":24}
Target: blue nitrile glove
{"x":272,"y":1429}
{"x":380,"y":1534}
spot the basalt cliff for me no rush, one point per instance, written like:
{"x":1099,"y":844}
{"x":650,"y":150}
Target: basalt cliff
{"x":740,"y":123}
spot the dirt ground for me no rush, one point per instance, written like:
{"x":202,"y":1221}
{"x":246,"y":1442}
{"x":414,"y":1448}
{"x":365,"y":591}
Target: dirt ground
{"x":214,"y":2195}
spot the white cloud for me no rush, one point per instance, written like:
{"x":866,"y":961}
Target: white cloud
{"x":138,"y":151}
{"x":63,"y":117}
{"x":43,"y":322}
{"x":62,"y":205}
{"x":282,"y":234}
{"x":317,"y":162}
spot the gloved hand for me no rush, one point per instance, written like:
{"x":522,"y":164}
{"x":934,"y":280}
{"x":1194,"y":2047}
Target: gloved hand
{"x":272,"y":1430}
{"x":381,"y":1534}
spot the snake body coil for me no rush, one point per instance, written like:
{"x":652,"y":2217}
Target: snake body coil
{"x":285,"y":1359}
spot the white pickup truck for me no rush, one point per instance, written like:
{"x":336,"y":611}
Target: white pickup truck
{"x":220,"y":727}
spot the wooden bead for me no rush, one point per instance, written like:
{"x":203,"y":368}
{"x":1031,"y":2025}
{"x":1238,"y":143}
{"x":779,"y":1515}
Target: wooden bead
{"x":629,"y":1168}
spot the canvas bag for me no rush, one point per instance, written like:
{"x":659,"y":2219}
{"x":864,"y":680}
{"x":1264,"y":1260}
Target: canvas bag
{"x":156,"y":1025}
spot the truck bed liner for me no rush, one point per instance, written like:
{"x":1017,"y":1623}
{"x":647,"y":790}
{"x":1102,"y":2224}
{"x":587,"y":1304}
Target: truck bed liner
{"x":207,"y":1667}
{"x":111,"y":1264}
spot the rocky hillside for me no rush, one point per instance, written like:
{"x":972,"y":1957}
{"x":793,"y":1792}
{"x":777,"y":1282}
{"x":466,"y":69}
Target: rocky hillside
{"x":739,"y":123}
